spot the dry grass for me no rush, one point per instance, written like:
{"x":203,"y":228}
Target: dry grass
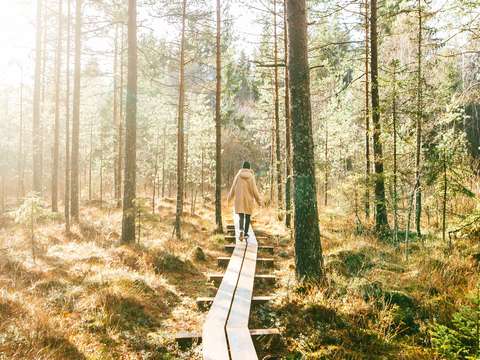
{"x":86,"y":297}
{"x":376,"y":304}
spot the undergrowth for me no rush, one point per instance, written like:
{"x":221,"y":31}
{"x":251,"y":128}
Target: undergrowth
{"x":86,"y":297}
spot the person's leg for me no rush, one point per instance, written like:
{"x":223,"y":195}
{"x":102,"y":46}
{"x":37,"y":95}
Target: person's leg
{"x":247,"y":223}
{"x":241,"y":222}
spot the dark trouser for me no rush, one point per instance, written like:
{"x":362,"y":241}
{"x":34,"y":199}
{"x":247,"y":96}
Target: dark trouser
{"x":244,"y":222}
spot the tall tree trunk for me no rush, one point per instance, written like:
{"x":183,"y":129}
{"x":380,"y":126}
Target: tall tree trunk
{"x":272,"y":162}
{"x":45,"y":17}
{"x":218,"y":127}
{"x":90,"y":161}
{"x":278,"y":163}
{"x":75,"y":186}
{"x":120,"y":122}
{"x":381,"y":221}
{"x":164,"y":158}
{"x":202,"y":173}
{"x":56,"y":130}
{"x":327,"y":169}
{"x":185,"y":173}
{"x":102,"y":144}
{"x":155,"y":170}
{"x":394,"y":120}
{"x":20,"y":159}
{"x":288,"y":135}
{"x":116,"y":120}
{"x":367,"y":118}
{"x":129,"y":191}
{"x":418,"y":154}
{"x":36,"y":157}
{"x":180,"y":129}
{"x":444,"y":200}
{"x":308,"y":249}
{"x":67,"y":125}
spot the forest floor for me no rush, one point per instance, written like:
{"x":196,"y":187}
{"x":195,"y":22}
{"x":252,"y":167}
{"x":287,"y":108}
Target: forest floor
{"x":85,"y":297}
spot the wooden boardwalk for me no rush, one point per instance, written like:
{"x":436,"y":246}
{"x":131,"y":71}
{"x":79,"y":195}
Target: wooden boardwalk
{"x":225,"y":333}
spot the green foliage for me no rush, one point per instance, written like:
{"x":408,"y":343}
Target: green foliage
{"x":461,"y":338}
{"x":31,"y":210}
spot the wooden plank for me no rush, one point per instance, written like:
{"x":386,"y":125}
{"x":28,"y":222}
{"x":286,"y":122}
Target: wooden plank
{"x":230,"y":310}
{"x":266,"y":248}
{"x":215,"y":344}
{"x":188,"y":338}
{"x":205,"y":301}
{"x":239,"y":339}
{"x":231,"y":238}
{"x":264,"y":332}
{"x":259,"y":278}
{"x":222,"y":261}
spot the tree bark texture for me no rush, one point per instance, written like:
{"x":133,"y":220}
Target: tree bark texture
{"x":308,"y":250}
{"x":180,"y":129}
{"x":381,"y":221}
{"x":129,"y":191}
{"x":75,"y":186}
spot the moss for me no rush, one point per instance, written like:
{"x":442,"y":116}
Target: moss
{"x":320,"y":314}
{"x":167,"y":262}
{"x":126,"y":256}
{"x":336,"y":266}
{"x":404,"y":306}
{"x":372,"y":290}
{"x":198,"y":254}
{"x":285,"y":241}
{"x":405,"y":312}
{"x":137,"y":286}
{"x":218,"y":239}
{"x":354,"y":262}
{"x":476,"y":258}
{"x":114,"y":311}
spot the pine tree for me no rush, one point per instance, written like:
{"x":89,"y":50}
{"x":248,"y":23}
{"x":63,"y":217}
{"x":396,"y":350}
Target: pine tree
{"x":308,"y":249}
{"x":381,"y":221}
{"x":288,"y":123}
{"x":56,"y":126}
{"x":218,"y":127}
{"x":36,"y":159}
{"x":67,"y":123}
{"x":180,"y":129}
{"x":129,"y":191}
{"x":278,"y":162}
{"x":75,"y":185}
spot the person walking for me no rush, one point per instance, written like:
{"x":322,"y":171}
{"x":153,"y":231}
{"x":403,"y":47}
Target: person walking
{"x":244,"y":190}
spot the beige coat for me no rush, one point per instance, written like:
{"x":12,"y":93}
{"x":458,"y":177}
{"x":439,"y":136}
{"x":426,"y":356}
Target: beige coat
{"x":245,"y":191}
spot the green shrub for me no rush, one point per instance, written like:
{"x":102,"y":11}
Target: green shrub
{"x":461,"y":338}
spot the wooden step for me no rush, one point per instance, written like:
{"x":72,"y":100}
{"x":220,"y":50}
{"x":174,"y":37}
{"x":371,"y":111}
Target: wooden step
{"x":232,"y":227}
{"x":223,"y":261}
{"x":186,"y":338}
{"x":239,"y":340}
{"x":267,"y":248}
{"x":213,"y":333}
{"x":231,"y":238}
{"x":204,"y":302}
{"x":259,"y":278}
